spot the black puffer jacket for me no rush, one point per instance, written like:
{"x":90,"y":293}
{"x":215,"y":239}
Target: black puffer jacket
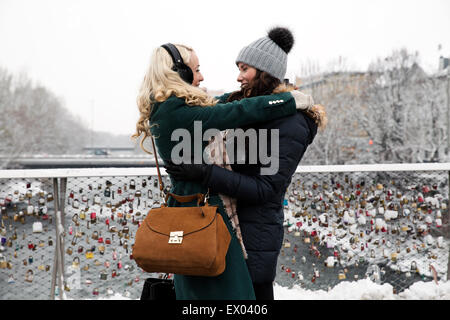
{"x":260,"y":197}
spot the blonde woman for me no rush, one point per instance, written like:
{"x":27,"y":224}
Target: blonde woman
{"x":170,"y":99}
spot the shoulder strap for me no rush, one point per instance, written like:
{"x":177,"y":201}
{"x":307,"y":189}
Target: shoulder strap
{"x":161,"y":185}
{"x":200,"y":197}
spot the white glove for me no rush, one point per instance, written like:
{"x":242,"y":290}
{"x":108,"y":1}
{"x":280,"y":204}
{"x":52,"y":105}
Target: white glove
{"x":302,"y":101}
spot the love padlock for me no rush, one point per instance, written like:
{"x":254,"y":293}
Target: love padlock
{"x":29,"y":276}
{"x":93,"y":217}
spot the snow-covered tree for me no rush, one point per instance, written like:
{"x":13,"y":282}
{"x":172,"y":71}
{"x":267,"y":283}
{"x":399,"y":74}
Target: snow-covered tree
{"x":393,"y":113}
{"x":33,"y":120}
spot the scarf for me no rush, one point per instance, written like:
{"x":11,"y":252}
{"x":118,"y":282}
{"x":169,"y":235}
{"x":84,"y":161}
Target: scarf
{"x":217,"y":155}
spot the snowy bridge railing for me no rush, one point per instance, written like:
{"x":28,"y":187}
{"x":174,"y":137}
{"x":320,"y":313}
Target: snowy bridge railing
{"x":343,"y":223}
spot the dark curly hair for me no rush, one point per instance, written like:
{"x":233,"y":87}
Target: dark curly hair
{"x":262,"y":84}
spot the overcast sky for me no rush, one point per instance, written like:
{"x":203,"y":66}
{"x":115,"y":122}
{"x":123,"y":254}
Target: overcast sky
{"x":93,"y":54}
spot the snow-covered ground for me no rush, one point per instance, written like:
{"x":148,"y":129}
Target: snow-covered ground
{"x":367,"y":290}
{"x":357,"y":290}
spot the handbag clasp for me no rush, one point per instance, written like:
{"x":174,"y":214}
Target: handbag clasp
{"x":176,"y":237}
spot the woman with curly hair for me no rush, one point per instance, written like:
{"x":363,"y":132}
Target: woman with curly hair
{"x":257,"y":197}
{"x":169,"y":99}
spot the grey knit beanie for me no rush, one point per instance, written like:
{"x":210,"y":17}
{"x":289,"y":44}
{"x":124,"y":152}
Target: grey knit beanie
{"x":269,"y":53}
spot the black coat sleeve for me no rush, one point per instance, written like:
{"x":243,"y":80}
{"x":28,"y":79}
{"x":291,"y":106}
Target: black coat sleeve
{"x":259,"y":189}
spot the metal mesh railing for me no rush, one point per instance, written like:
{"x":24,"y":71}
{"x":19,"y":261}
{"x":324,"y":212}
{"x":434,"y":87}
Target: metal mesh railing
{"x":27,"y":238}
{"x":102,"y":216}
{"x":391,"y":226}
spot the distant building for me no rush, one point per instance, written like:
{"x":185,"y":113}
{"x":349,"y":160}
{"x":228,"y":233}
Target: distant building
{"x":331,"y":83}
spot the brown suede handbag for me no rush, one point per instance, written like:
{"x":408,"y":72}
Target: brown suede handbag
{"x":182,"y":240}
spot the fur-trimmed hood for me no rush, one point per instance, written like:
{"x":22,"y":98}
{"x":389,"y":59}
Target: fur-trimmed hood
{"x":317,"y":112}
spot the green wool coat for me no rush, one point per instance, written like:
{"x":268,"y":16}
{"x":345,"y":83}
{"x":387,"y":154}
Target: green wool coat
{"x":235,"y":282}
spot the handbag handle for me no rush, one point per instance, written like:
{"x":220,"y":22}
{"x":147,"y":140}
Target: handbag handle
{"x":199,"y":196}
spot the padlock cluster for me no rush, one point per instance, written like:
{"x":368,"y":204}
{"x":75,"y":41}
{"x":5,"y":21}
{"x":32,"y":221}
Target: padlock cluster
{"x":27,"y":235}
{"x":102,"y":217}
{"x":350,"y":219}
{"x":333,"y":221}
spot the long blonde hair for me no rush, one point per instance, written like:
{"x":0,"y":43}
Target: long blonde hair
{"x":160,"y":82}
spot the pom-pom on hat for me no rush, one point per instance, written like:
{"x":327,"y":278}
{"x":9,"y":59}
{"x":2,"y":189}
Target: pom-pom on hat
{"x":269,"y":53}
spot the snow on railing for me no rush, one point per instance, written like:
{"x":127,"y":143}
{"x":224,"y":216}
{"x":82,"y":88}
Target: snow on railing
{"x":102,"y":172}
{"x":377,"y":167}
